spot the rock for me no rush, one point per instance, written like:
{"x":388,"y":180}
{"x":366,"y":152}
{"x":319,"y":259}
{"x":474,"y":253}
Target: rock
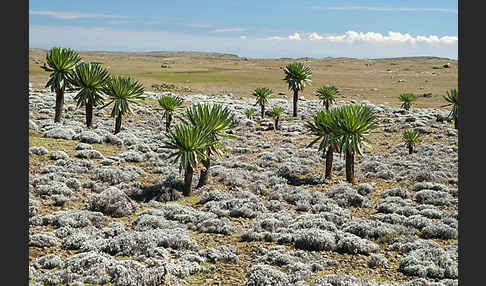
{"x":112,"y":202}
{"x":60,"y":133}
{"x":38,"y":150}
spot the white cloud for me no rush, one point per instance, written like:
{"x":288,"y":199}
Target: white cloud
{"x":229,"y":30}
{"x":378,"y":38}
{"x":295,"y":36}
{"x":386,"y":9}
{"x":70,"y":15}
{"x":350,"y":44}
{"x":243,"y":37}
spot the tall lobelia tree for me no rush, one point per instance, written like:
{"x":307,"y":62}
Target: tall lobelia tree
{"x":350,"y":124}
{"x":327,"y":94}
{"x":411,"y":138}
{"x":297,"y":76}
{"x":170,"y":105}
{"x":277,"y":112}
{"x":453,"y":99}
{"x":189,"y":144}
{"x":217,"y":120}
{"x":60,"y":62}
{"x":89,"y":79}
{"x":318,"y":126}
{"x":122,"y":91}
{"x":407,"y":100}
{"x":262,"y":95}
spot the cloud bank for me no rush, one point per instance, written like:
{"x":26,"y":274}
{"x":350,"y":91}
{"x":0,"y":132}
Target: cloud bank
{"x":349,"y":44}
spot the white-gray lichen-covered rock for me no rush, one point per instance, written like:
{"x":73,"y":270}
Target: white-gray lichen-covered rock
{"x":89,"y":137}
{"x":431,"y":261}
{"x":315,"y":239}
{"x":83,"y":146}
{"x":60,"y":133}
{"x":57,"y":155}
{"x":43,"y":240}
{"x":377,"y":260}
{"x":115,"y":175}
{"x":365,"y":188}
{"x":221,"y":253}
{"x":112,"y":202}
{"x":353,"y":244}
{"x":38,"y":150}
{"x":72,"y":218}
{"x":265,"y":275}
{"x":342,"y":280}
{"x":88,"y":154}
{"x":433,"y":197}
{"x":439,"y":230}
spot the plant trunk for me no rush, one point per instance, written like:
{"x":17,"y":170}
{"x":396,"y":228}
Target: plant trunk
{"x":455,"y":123}
{"x":89,"y":115}
{"x":327,"y":105}
{"x":263,"y":111}
{"x":276,"y":123}
{"x":188,"y":181}
{"x":410,"y":149}
{"x":168,"y":120}
{"x":350,"y":167}
{"x":329,"y":159}
{"x":204,"y":175}
{"x":118,"y":123}
{"x":59,"y":105}
{"x":296,"y":98}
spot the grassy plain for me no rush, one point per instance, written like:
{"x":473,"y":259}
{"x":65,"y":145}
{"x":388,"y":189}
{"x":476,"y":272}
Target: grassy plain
{"x":378,"y":80}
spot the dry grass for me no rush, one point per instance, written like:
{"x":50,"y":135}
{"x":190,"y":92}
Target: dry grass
{"x":212,"y":73}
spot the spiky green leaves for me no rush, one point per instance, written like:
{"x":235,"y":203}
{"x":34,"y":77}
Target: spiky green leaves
{"x":327,"y":94}
{"x":277,"y":111}
{"x":349,"y":125}
{"x":453,"y":99}
{"x":170,"y":104}
{"x":297,"y":76}
{"x":189,"y":144}
{"x":262,"y":95}
{"x":123,"y":91}
{"x":411,"y":137}
{"x":319,"y":127}
{"x":249,"y":113}
{"x":216,"y":119}
{"x":407,"y":99}
{"x":60,"y":62}
{"x":89,"y":79}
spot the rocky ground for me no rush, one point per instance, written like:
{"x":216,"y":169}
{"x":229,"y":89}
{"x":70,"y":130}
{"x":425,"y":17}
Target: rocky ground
{"x":106,"y":209}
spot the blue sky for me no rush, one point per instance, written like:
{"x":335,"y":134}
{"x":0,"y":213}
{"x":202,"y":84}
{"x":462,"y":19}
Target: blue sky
{"x":264,"y":28}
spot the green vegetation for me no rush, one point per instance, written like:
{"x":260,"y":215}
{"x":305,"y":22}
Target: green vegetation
{"x":60,"y":63}
{"x":89,"y":79}
{"x":122,"y":91}
{"x":249,"y":113}
{"x":297,"y":76}
{"x":328,"y":94}
{"x":262,"y":95}
{"x":320,"y":128}
{"x":216,"y":120}
{"x":407,"y":99}
{"x":453,"y":99}
{"x":411,"y":138}
{"x":190,"y":144}
{"x":349,"y":125}
{"x":170,"y":105}
{"x":277,"y":112}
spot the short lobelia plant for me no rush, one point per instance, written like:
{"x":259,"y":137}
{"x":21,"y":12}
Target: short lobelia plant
{"x":122,"y":91}
{"x":318,"y":126}
{"x":249,"y":113}
{"x":60,"y":62}
{"x":349,"y":125}
{"x":217,"y":120}
{"x":327,"y":94}
{"x":170,"y":105}
{"x":277,"y":112}
{"x":89,"y":79}
{"x":407,"y":100}
{"x":411,"y":138}
{"x":297,"y":76}
{"x":453,"y":99}
{"x":262,"y":95}
{"x":190,"y":144}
